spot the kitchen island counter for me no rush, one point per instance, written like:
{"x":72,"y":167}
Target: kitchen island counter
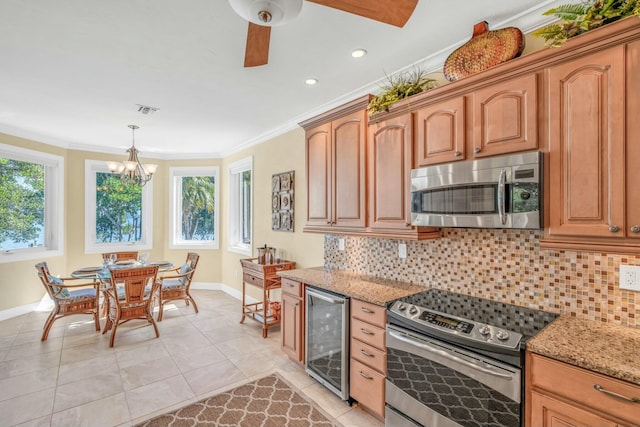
{"x":370,"y":289}
{"x":597,"y":346}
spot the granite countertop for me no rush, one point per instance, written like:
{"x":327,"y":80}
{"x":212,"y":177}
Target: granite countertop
{"x":597,"y":346}
{"x":365,"y":288}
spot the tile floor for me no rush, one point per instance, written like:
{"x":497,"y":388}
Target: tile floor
{"x":75,"y":379}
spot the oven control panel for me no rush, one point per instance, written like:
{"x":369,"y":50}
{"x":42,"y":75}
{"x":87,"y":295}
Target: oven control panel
{"x":425,"y":318}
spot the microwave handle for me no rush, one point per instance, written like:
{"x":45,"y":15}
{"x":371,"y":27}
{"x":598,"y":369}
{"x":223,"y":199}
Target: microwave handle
{"x":501,"y":196}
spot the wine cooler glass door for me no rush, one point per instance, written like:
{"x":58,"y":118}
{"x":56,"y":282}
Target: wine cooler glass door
{"x":327,"y":352}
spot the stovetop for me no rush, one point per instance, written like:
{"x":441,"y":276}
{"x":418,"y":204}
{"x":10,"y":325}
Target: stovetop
{"x":470,"y":320}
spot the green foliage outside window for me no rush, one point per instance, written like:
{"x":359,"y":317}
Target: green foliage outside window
{"x":198,"y":195}
{"x":21,"y":203}
{"x":118,"y":210}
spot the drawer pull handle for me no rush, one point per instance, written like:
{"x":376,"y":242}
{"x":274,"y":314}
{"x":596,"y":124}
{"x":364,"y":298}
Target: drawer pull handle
{"x":290,"y":285}
{"x":599,"y":388}
{"x":365,"y":376}
{"x":366,"y":310}
{"x":364,"y":331}
{"x":365,"y":353}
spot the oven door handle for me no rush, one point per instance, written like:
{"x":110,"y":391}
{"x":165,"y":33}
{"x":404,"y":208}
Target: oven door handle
{"x":448,"y":355}
{"x":501,"y":197}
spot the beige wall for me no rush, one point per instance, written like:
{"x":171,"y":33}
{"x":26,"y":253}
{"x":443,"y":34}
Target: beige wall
{"x":19,"y":283}
{"x":281,"y":154}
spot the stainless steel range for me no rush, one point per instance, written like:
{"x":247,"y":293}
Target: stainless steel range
{"x":456,"y":360}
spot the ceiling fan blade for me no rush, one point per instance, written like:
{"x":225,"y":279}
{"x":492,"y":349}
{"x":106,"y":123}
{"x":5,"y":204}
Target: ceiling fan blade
{"x":393,"y":12}
{"x":257,"y":51}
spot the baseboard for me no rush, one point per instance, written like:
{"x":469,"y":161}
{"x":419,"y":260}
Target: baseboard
{"x":46,"y":305}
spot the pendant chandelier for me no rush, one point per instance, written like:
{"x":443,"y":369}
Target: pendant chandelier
{"x":132,"y":172}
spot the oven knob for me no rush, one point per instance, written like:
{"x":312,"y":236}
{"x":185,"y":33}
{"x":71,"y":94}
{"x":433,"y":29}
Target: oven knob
{"x":502,"y":335}
{"x":413,"y":310}
{"x":484,"y":330}
{"x":402,"y":306}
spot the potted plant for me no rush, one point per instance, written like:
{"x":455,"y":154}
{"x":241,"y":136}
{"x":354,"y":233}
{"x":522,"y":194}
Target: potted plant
{"x":579,"y":18}
{"x":398,"y":87}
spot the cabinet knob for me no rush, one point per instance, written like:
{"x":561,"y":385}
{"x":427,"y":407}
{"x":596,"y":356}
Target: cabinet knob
{"x":476,"y":150}
{"x":613,"y":228}
{"x":408,"y":224}
{"x":635,"y":229}
{"x":457,"y":154}
{"x":328,"y":222}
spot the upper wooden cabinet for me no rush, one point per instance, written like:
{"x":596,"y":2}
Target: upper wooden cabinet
{"x":496,"y":119}
{"x":593,"y":151}
{"x":505,"y":117}
{"x":390,"y":160}
{"x":586,"y":147}
{"x":440,"y":132}
{"x":336,"y":169}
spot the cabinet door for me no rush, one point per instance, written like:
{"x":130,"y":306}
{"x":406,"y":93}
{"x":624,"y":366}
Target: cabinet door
{"x":505,"y":117}
{"x":633,"y":140}
{"x":291,"y":324}
{"x":548,"y":412}
{"x":440,"y":132}
{"x":349,"y":156}
{"x":586,"y":150}
{"x":318,"y":149}
{"x":390,"y":158}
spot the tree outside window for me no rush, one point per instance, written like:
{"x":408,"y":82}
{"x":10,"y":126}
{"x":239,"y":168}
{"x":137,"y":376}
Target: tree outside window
{"x":194,"y":210}
{"x":22,"y":204}
{"x":118,"y":210}
{"x":31,"y":204}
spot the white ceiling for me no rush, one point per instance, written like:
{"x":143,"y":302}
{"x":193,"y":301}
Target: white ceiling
{"x":72,"y":71}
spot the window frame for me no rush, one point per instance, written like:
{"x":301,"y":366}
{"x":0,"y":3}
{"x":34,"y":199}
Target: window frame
{"x":90,"y":246}
{"x":175,"y":212}
{"x":234,"y":243}
{"x":54,"y":204}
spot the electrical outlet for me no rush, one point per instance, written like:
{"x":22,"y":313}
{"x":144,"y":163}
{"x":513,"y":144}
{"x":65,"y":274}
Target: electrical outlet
{"x":402,"y":250}
{"x":630,"y":277}
{"x":341,"y":244}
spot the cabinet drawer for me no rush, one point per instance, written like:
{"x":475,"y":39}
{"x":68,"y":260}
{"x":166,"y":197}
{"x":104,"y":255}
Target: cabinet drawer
{"x":291,"y":287}
{"x":370,"y":356}
{"x":252,"y":280}
{"x":370,"y":313}
{"x":577,"y":384}
{"x":368,"y":334}
{"x":367,"y":387}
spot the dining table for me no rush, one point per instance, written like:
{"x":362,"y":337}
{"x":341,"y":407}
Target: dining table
{"x":102,"y":274}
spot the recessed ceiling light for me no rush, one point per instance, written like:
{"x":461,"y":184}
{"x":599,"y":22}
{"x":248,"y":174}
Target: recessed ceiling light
{"x":311,"y":81}
{"x":359,"y":53}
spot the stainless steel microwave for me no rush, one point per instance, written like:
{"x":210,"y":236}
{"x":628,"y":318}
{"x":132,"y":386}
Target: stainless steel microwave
{"x":496,"y":192}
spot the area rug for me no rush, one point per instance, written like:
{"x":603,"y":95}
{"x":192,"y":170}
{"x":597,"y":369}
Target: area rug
{"x":267,"y":402}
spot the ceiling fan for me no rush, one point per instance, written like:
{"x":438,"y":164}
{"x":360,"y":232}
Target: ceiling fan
{"x":264,"y":14}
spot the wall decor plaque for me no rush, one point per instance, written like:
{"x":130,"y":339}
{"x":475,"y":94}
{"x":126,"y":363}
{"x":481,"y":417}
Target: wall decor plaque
{"x":282,"y":201}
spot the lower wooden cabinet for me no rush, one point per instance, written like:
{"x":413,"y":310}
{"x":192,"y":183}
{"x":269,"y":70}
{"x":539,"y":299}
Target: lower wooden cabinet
{"x":368,"y":368}
{"x":366,"y":385}
{"x":559,"y":394}
{"x":549,"y":412}
{"x":292,"y":319}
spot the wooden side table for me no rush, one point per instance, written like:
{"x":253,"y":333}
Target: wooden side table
{"x":263,"y":276}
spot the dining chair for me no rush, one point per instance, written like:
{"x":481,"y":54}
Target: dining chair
{"x":130,"y":295}
{"x":68,"y":298}
{"x":122,"y":256}
{"x":176,"y":283}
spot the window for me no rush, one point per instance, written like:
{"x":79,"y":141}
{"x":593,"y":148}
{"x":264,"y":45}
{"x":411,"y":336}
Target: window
{"x":117,"y":216}
{"x":31,"y":204}
{"x":240,"y":206}
{"x":193,"y":214}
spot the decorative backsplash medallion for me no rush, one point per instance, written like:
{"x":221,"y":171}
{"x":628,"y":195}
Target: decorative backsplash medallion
{"x":501,"y":265}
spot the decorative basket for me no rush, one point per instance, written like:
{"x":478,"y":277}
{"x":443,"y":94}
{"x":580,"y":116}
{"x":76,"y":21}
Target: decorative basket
{"x":486,"y":49}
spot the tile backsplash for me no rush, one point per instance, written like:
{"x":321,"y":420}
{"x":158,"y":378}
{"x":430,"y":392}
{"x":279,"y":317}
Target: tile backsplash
{"x":501,"y":265}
